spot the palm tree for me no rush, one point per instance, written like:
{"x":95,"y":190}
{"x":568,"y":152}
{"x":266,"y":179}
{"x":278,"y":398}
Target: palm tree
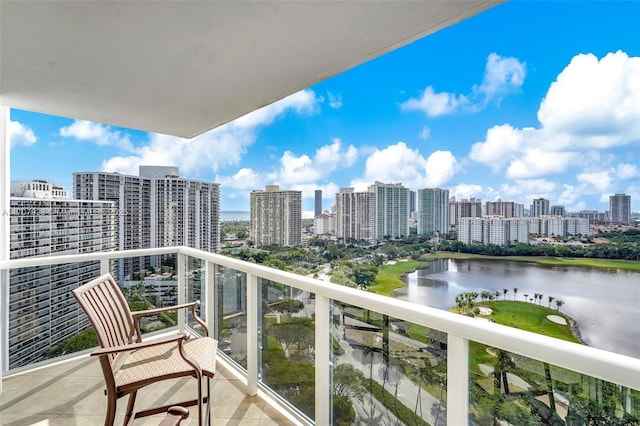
{"x":505,"y":291}
{"x":550,"y":300}
{"x":485,"y":296}
{"x":526,"y":297}
{"x":558,"y":304}
{"x":515,"y":291}
{"x":497,"y":293}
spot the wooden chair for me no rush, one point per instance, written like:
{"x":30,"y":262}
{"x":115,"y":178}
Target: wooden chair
{"x":129,"y":364}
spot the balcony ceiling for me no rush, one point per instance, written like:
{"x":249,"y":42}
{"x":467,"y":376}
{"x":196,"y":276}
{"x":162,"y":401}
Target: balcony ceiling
{"x":182,"y":68}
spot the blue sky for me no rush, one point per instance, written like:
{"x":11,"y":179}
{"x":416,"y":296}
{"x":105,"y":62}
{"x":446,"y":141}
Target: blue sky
{"x":529,"y":99}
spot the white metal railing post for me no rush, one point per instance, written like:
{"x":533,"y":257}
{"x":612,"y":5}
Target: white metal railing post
{"x":323,"y":361}
{"x":5,"y":209}
{"x":210,"y":302}
{"x":457,"y":380}
{"x":253,"y":342}
{"x":104,"y":266}
{"x":181,"y":260}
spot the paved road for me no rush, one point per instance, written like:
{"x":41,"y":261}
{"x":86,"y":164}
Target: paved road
{"x":407,"y":390}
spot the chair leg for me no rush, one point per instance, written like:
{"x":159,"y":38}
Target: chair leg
{"x":111,"y":409}
{"x":130,"y":404}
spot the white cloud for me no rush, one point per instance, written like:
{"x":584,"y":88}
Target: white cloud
{"x":98,"y":134}
{"x":595,"y":182}
{"x":441,"y":168}
{"x":501,"y":76}
{"x":425,"y":133}
{"x":335,"y":101}
{"x":216,"y":149}
{"x":435,"y":104}
{"x":528,"y":189}
{"x":501,"y":144}
{"x":466,"y":191}
{"x":400,"y":164}
{"x":19,"y":134}
{"x":244,"y":179}
{"x":597,"y":102}
{"x":593,"y":105}
{"x":536,"y":163}
{"x":627,"y":171}
{"x":304,"y":169}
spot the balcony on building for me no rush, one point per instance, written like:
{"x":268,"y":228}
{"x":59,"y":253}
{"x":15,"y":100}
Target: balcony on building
{"x":182,"y":68}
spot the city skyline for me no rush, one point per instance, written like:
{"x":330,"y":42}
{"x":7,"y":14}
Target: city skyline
{"x":496,"y":107}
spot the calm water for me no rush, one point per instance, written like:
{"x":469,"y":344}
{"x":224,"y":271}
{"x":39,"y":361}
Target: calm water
{"x":605,"y":304}
{"x":231,"y":215}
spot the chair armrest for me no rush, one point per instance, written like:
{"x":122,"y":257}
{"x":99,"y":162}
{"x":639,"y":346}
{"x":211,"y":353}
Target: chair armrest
{"x":192,"y":305}
{"x":164,"y":309}
{"x":140,"y":345}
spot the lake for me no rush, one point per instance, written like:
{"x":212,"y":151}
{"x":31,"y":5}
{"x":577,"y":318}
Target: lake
{"x":605,"y":304}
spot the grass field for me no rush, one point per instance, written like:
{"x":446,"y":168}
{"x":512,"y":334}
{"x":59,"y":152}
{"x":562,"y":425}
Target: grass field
{"x":530,"y":317}
{"x":629,"y":265}
{"x":389,"y":276}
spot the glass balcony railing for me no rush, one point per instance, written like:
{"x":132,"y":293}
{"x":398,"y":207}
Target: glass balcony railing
{"x":328,"y":354}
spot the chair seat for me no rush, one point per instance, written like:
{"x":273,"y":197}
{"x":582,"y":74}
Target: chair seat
{"x":164,"y":362}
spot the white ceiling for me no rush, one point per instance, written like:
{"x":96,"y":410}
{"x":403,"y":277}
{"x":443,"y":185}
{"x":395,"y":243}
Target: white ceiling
{"x":184,"y":67}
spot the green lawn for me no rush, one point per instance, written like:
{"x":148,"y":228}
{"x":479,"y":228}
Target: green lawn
{"x":629,"y":265}
{"x":530,"y":317}
{"x":388,"y":278}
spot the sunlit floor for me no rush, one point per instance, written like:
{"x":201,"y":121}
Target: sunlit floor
{"x":72,"y":393}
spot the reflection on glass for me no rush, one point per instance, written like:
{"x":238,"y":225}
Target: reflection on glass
{"x":388,"y":371}
{"x":287,"y":333}
{"x":231,"y":321}
{"x":511,"y":388}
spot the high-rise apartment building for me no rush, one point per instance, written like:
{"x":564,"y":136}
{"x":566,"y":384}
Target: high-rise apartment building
{"x":464,"y":208}
{"x":501,"y":231}
{"x":505,"y":209}
{"x":355,"y":215}
{"x":44,"y":222}
{"x":433,"y":211}
{"x":318,"y":203}
{"x":276,"y":217}
{"x":325,"y":224}
{"x":620,"y":209}
{"x":540,"y":207}
{"x":391,"y":210}
{"x":557,"y":210}
{"x":157,"y":208}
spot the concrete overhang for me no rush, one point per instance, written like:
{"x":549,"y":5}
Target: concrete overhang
{"x":184,"y":67}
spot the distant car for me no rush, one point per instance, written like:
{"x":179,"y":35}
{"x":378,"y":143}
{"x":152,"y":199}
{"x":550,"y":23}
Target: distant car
{"x":227,"y":351}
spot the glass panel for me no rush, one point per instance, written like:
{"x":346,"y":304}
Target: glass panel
{"x":386,"y":371}
{"x":44,"y":318}
{"x":231,"y":323}
{"x":507,"y":387}
{"x":287,"y":333}
{"x":194,"y":280}
{"x":149,"y":282}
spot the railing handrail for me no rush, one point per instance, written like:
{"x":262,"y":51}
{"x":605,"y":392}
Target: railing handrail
{"x":610,"y":366}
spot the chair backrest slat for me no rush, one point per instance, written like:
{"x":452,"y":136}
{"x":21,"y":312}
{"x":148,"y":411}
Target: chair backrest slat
{"x":108,"y":311}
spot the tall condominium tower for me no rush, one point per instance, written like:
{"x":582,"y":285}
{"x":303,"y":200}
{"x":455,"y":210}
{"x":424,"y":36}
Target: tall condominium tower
{"x":433,"y":211}
{"x":506,"y":209}
{"x":158,"y":208}
{"x":464,"y":208}
{"x":557,"y":210}
{"x":44,"y":222}
{"x":539,"y":208}
{"x":620,"y":208}
{"x":355,"y":215}
{"x":391,"y":210}
{"x":276,"y":217}
{"x":318,"y":203}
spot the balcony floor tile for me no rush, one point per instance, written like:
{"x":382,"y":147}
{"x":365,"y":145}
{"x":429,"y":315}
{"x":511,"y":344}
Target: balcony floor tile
{"x":72,"y":393}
